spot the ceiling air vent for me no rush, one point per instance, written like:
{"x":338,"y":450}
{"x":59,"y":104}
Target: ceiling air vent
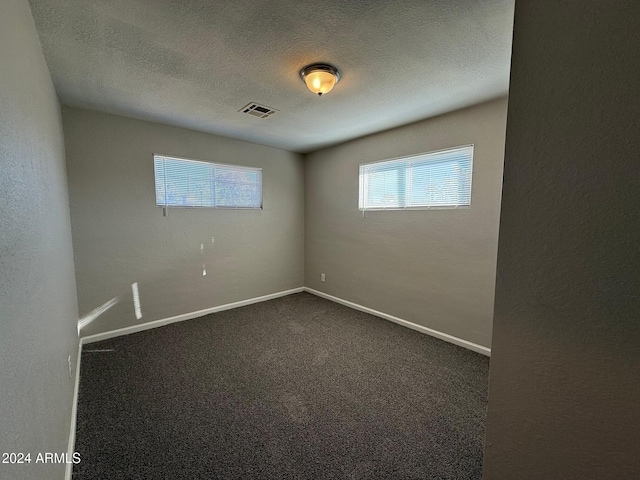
{"x":257,"y":110}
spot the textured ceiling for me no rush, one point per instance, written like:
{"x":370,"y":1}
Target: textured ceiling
{"x":195,"y":63}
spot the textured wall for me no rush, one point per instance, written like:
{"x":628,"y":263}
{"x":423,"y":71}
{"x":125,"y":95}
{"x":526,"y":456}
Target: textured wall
{"x":121,"y":236}
{"x":435,"y":268}
{"x":565,"y":367}
{"x":38,"y":309}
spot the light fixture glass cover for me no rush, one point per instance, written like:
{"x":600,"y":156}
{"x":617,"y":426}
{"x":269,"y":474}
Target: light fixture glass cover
{"x":320,"y":77}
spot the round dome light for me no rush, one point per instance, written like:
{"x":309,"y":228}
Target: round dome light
{"x":320,"y":78}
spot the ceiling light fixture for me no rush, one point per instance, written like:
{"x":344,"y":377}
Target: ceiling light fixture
{"x":320,"y":77}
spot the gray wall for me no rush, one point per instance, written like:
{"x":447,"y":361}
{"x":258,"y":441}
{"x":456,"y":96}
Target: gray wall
{"x":38,"y":308}
{"x":564,"y":386}
{"x":435,"y":268}
{"x":121,"y":236}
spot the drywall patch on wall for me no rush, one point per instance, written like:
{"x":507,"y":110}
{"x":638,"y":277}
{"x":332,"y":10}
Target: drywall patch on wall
{"x":38,"y":307}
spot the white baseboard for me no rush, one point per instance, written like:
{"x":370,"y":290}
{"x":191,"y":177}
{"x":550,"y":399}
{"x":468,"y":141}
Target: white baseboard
{"x":74,"y":411}
{"x":199,"y":313}
{"x":414,"y":326}
{"x":188,"y":316}
{"x":185,"y":316}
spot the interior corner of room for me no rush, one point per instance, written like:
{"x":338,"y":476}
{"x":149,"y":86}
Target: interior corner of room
{"x":538,"y":271}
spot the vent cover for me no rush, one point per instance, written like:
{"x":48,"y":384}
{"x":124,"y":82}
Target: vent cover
{"x":257,"y":110}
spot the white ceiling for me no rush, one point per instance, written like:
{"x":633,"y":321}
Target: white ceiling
{"x":195,"y":63}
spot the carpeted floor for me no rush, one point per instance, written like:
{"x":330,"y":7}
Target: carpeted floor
{"x":294,"y":388}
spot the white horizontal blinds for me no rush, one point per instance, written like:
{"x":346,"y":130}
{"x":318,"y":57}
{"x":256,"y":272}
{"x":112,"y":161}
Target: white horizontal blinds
{"x":161,"y":191}
{"x":238,"y":187}
{"x":440,"y":179}
{"x":437,"y":179}
{"x":383,"y":184}
{"x":191,"y":183}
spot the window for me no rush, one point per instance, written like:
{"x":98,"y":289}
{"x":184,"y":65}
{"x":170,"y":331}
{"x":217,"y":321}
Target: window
{"x":191,"y":183}
{"x":439,"y":179}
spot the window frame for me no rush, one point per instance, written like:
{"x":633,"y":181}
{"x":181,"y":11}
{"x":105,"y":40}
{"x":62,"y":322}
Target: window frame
{"x":407,"y":160}
{"x":228,"y":165}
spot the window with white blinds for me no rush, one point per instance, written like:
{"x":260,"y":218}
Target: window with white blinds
{"x":439,"y":179}
{"x":191,"y":183}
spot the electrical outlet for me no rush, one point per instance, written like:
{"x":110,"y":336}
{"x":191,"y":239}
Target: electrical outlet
{"x":322,"y":277}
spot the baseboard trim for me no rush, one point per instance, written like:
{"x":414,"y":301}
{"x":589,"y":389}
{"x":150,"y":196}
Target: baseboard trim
{"x":199,"y":313}
{"x":74,"y":413}
{"x":185,"y":316}
{"x":188,"y":316}
{"x":405,"y":323}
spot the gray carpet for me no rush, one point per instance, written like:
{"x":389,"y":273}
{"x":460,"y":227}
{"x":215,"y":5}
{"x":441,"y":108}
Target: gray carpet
{"x":294,"y":388}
